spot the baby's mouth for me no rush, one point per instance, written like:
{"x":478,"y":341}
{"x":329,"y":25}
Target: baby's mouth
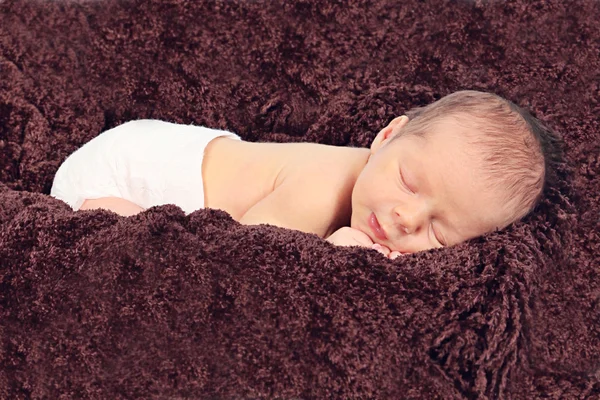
{"x":376,"y":228}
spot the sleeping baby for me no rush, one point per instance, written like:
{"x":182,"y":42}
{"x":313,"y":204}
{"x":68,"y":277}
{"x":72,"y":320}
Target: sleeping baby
{"x":467,"y":164}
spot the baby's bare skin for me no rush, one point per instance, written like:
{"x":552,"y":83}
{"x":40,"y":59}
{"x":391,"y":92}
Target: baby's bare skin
{"x":121,"y":206}
{"x":303,"y":186}
{"x":399,"y":196}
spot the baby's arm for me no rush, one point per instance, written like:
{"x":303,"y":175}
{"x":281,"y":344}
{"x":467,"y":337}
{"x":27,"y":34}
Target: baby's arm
{"x":116,"y":204}
{"x":295,"y":203}
{"x":289,"y":206}
{"x":286,"y":207}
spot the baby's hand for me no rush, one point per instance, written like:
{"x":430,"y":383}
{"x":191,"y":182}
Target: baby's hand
{"x":386,"y":251}
{"x":347,"y":236}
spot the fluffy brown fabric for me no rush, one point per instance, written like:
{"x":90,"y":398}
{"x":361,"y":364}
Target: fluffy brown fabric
{"x":165,"y":306}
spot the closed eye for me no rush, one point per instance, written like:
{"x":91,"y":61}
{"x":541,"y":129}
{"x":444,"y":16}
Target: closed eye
{"x":437,"y":237}
{"x":403,"y":181}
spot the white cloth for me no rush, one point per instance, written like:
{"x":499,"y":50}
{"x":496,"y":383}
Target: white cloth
{"x":147,"y":162}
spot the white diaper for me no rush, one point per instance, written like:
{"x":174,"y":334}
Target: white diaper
{"x":147,"y":162}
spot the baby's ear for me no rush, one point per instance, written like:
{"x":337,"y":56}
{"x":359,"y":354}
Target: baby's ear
{"x":388,"y":132}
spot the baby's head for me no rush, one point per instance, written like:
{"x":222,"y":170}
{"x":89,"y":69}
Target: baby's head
{"x":467,"y":164}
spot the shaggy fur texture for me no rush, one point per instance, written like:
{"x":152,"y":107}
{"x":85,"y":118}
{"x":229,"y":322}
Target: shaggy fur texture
{"x":168,"y":306}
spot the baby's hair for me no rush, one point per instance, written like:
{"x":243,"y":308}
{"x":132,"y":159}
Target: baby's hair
{"x":520,"y":153}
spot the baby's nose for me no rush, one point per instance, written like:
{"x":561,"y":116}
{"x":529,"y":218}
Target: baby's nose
{"x":408,"y":226}
{"x":409,"y":220}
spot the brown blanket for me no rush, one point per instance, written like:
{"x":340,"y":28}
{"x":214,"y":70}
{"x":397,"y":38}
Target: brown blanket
{"x":168,"y":306}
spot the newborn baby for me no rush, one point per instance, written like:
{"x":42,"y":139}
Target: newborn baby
{"x":465,"y":165}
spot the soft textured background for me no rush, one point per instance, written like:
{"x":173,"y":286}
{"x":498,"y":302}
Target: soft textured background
{"x":172,"y":307}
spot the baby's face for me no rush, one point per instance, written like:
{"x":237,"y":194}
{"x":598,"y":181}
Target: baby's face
{"x":417,"y":193}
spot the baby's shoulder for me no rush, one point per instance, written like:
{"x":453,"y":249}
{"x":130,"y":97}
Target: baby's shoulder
{"x":328,"y":165}
{"x":327,"y":173}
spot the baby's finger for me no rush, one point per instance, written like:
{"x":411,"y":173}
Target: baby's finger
{"x":395,"y":254}
{"x":382,"y":249}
